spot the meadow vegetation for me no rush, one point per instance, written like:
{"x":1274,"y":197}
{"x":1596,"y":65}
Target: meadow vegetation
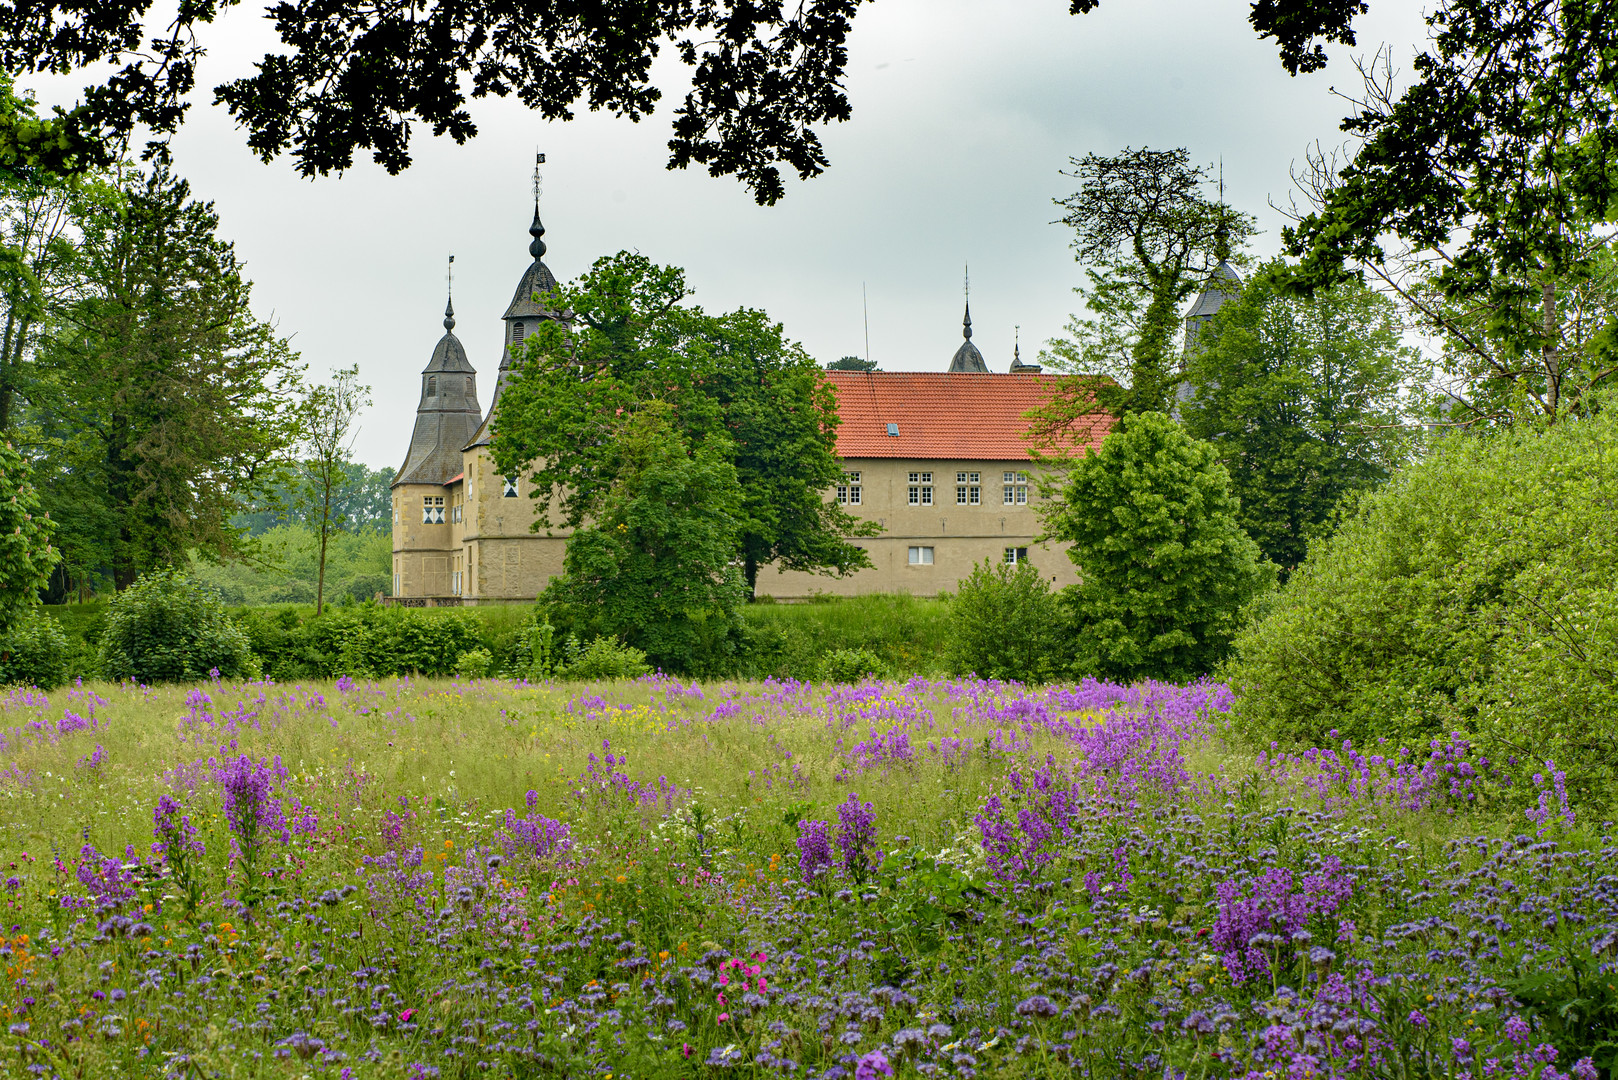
{"x":445,"y":878}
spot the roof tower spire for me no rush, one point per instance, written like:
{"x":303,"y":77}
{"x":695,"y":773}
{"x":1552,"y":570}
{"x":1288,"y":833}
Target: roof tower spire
{"x":967,"y":357}
{"x":966,"y":323}
{"x":449,"y":292}
{"x":537,"y":229}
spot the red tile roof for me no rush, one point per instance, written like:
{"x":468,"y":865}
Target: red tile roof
{"x":943,"y":415}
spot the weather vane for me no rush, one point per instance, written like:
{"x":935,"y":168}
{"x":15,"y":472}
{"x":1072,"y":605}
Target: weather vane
{"x":539,"y":159}
{"x":449,"y":276}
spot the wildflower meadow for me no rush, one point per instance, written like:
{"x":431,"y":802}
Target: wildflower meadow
{"x":411,"y":879}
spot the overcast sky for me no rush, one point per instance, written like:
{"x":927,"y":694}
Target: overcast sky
{"x":965,"y":111}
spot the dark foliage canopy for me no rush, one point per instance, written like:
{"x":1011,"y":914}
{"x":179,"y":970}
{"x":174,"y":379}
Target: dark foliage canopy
{"x":357,"y":75}
{"x":362,"y":75}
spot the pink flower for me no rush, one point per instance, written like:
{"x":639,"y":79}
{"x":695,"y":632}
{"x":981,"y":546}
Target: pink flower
{"x":723,"y":1017}
{"x":761,"y":987}
{"x":719,"y":998}
{"x":724,"y":980}
{"x":404,"y":1017}
{"x":685,"y":1049}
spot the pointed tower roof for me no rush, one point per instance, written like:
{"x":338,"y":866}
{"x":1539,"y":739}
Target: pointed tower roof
{"x":967,"y":357}
{"x":447,"y":415}
{"x":1017,"y":366}
{"x":537,"y":280}
{"x":1223,"y":284}
{"x":527,"y":308}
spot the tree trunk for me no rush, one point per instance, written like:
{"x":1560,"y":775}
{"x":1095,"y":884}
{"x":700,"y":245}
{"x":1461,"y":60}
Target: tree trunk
{"x":750,"y":572}
{"x":1553,"y":377}
{"x":325,"y":533}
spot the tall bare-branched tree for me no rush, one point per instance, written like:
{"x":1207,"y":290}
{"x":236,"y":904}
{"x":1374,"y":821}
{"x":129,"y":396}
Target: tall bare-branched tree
{"x":326,"y":420}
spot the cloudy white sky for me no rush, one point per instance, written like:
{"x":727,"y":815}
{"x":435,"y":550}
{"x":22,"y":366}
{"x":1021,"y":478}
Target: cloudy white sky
{"x":965,"y":111}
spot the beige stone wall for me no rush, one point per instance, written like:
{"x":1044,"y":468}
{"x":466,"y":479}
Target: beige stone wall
{"x":423,"y":554}
{"x":501,"y":560}
{"x":960,"y":535}
{"x":506,"y":560}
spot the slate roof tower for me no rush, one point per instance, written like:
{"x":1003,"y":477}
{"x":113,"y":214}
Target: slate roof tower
{"x":967,"y":357}
{"x":448,"y":414}
{"x":1223,"y":284}
{"x":523,"y":316}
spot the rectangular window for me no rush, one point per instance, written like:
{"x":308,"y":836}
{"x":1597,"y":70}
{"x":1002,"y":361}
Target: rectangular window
{"x":974,"y":496}
{"x":432,"y":509}
{"x":511,"y":487}
{"x":1016,"y":488}
{"x":1015,"y":555}
{"x":848,"y":492}
{"x":921,"y":556}
{"x":961,"y":492}
{"x":395,"y":584}
{"x":921,"y":489}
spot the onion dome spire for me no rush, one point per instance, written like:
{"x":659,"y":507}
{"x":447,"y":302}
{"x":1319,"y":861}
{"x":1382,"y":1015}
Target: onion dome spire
{"x":537,"y":231}
{"x":967,"y":357}
{"x":449,"y":315}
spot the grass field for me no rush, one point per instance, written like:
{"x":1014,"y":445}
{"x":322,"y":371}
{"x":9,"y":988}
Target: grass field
{"x":436,"y":879}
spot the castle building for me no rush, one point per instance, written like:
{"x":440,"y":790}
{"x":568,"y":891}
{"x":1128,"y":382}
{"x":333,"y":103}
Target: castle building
{"x":939,"y":459}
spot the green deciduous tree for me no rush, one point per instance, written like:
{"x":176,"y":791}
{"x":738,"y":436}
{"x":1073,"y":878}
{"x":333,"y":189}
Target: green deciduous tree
{"x":326,"y":431}
{"x":1303,"y":401}
{"x":167,"y":401}
{"x":353,"y":76}
{"x":1148,"y":237}
{"x":655,"y":564}
{"x":1479,"y":193}
{"x":631,"y":342}
{"x":851,"y":363}
{"x":26,"y":555}
{"x":1165,"y":568}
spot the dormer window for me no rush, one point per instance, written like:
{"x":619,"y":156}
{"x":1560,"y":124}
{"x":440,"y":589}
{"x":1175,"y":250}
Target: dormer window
{"x":517,"y":332}
{"x":432,"y":386}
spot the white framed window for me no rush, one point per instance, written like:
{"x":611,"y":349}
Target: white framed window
{"x":1016,"y":488}
{"x":848,"y":492}
{"x":395,"y":583}
{"x":1015,"y":555}
{"x":921,"y":489}
{"x":921,"y":556}
{"x":432,"y":509}
{"x":968,"y":492}
{"x":455,"y":583}
{"x":510,"y":490}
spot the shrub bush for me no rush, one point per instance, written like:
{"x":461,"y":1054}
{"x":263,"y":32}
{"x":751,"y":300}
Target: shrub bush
{"x":1004,"y":624}
{"x":850,"y":665}
{"x":474,"y":664}
{"x":1476,"y":591}
{"x":34,"y":652}
{"x":403,"y":641}
{"x":169,"y":628}
{"x":604,"y":658}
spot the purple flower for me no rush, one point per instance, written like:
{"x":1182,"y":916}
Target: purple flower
{"x":872,"y":1065}
{"x":856,"y":837}
{"x":814,"y":849}
{"x":251,"y":806}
